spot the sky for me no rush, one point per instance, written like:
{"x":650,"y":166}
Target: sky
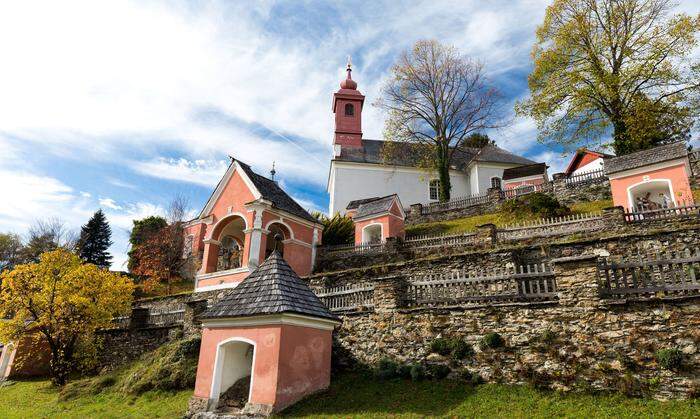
{"x":123,"y":105}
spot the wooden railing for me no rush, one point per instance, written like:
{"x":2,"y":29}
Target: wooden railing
{"x":165,"y":318}
{"x":662,"y":213}
{"x":544,"y":227}
{"x":525,"y":190}
{"x":670,"y":274}
{"x":351,"y":249}
{"x":587,"y":177}
{"x":348,"y":297}
{"x":528,"y":283}
{"x":456,"y":203}
{"x":439,"y":240}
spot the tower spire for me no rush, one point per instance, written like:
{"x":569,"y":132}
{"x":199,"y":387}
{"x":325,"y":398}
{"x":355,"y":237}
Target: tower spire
{"x":273,"y":172}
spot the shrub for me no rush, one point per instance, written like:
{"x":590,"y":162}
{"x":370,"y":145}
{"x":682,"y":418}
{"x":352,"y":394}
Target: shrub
{"x":670,"y":359}
{"x":438,"y":371}
{"x":461,"y":349}
{"x":492,"y":340}
{"x":417,"y":372}
{"x":440,"y":346}
{"x":630,"y":386}
{"x":472,"y":378}
{"x":536,"y":204}
{"x":404,"y":371}
{"x":387,"y":369}
{"x":338,"y":229}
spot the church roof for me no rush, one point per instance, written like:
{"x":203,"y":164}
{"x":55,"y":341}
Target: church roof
{"x":270,"y":191}
{"x":356,"y":203}
{"x":371,"y":152}
{"x":272,"y":288}
{"x":524,"y":171}
{"x":645,"y":157}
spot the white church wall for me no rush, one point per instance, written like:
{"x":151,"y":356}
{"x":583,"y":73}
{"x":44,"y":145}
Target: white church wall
{"x":596,"y":164}
{"x":351,"y":181}
{"x":484,"y":173}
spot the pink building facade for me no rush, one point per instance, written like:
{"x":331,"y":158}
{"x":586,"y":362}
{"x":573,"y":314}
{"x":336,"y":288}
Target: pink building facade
{"x":377,"y":219}
{"x":235,"y":231}
{"x":651,"y":179}
{"x":270,"y":340}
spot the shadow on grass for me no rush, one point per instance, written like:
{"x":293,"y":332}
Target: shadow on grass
{"x":352,"y":394}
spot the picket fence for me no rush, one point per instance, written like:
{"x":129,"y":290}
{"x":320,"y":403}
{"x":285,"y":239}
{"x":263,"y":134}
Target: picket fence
{"x":348,"y":297}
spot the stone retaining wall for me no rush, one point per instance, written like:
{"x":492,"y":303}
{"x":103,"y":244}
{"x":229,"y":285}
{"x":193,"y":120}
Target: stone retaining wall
{"x":579,"y":341}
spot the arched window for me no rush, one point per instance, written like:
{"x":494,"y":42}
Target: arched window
{"x":349,"y":109}
{"x":230,"y":254}
{"x":496,"y":182}
{"x":372,"y":233}
{"x":270,"y":244}
{"x":435,"y":189}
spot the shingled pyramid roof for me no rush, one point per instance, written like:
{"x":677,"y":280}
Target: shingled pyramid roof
{"x":273,"y":288}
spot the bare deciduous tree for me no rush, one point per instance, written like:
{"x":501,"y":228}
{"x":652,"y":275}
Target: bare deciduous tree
{"x":47,"y":235}
{"x":436,"y":99}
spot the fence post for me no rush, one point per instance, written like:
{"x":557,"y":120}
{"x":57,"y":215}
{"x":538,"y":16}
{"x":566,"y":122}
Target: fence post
{"x":614,"y":217}
{"x":495,"y":195}
{"x":389,"y":293}
{"x":139,"y":318}
{"x":191,"y":323}
{"x":577,"y":280}
{"x":486,"y":235}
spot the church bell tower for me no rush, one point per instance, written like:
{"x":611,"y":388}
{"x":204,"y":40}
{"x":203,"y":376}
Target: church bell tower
{"x":347,"y":107}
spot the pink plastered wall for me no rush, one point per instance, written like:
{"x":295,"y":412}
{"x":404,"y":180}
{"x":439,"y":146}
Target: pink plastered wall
{"x":677,"y":174}
{"x":392,"y":224}
{"x":289,"y":362}
{"x":514,"y":183}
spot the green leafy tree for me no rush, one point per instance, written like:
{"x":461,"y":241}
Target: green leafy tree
{"x":339,"y":229}
{"x":479,"y":140}
{"x":10,"y":250}
{"x":63,"y":301}
{"x":608,"y":65}
{"x":436,"y":99}
{"x":95,"y":239}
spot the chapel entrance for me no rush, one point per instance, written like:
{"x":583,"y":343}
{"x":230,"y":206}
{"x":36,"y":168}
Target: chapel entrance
{"x":232,"y":376}
{"x":651,"y":195}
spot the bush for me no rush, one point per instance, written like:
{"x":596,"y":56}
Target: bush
{"x":338,"y":229}
{"x":386,"y":369}
{"x":417,"y":372}
{"x":536,"y":204}
{"x":438,"y":371}
{"x":670,"y":359}
{"x":492,"y":340}
{"x":440,"y":346}
{"x":404,"y":371}
{"x":461,"y":349}
{"x":472,"y":378}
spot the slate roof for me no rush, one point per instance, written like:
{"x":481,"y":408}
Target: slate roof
{"x":524,"y":171}
{"x":272,"y":288}
{"x":645,"y":157}
{"x":376,"y":206}
{"x":356,"y":203}
{"x":371,"y":152}
{"x":273,"y":193}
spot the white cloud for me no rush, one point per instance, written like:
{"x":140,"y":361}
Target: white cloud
{"x":109,"y":203}
{"x":200,"y":172}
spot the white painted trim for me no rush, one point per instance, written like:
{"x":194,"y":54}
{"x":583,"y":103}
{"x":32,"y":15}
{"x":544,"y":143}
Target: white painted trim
{"x":381,"y":214}
{"x":226,"y":217}
{"x":280,"y":221}
{"x":211,"y":241}
{"x":295,"y":241}
{"x":381,"y":231}
{"x":218,"y":369}
{"x":273,"y":319}
{"x":630,"y":201}
{"x":650,"y":168}
{"x":222,"y":185}
{"x":225,"y":285}
{"x":217,"y":274}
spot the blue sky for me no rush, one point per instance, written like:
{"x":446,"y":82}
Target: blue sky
{"x":123,"y":105}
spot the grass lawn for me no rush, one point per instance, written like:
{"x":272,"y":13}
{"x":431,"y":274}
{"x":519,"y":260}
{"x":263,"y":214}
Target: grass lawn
{"x":356,"y":395}
{"x":38,"y":399}
{"x":461,"y":225}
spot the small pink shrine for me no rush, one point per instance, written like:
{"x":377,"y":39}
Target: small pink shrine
{"x":232,"y":234}
{"x":377,"y":219}
{"x":651,"y":179}
{"x":265,"y":345}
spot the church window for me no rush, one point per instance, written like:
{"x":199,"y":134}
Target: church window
{"x":349,"y":109}
{"x":496,"y":182}
{"x":435,"y":189}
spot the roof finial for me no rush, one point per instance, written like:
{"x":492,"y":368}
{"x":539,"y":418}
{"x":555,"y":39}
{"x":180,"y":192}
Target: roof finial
{"x":349,"y":63}
{"x":348,"y":83}
{"x":273,"y":171}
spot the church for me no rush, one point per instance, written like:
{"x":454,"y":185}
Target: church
{"x":359,"y":171}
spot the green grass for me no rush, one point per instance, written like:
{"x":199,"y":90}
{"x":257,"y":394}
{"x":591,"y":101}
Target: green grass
{"x":355,"y":395}
{"x":38,"y":399}
{"x":500,"y":219}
